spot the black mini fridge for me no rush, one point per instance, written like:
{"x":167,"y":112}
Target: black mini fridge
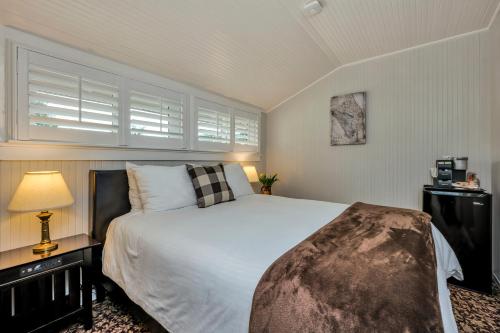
{"x":464,"y":219}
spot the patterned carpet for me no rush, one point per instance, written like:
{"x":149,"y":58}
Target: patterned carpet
{"x":473,"y":312}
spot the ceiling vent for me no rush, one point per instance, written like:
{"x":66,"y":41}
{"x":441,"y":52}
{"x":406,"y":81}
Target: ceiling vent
{"x":312,"y":8}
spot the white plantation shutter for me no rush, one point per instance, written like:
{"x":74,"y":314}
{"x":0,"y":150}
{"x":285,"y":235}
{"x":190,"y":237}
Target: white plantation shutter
{"x":69,"y":102}
{"x":246,"y":131}
{"x":213,"y":125}
{"x":156,"y":117}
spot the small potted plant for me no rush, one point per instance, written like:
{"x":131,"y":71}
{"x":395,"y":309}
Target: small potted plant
{"x":267,"y":183}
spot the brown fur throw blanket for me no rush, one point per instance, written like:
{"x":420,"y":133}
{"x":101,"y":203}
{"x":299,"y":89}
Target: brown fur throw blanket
{"x":372,"y":269}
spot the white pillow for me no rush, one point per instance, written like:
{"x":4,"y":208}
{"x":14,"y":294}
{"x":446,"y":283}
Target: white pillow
{"x":164,"y":188}
{"x":237,"y":180}
{"x":133,"y":191}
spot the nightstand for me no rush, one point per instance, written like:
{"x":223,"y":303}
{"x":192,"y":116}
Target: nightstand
{"x":41,"y":292}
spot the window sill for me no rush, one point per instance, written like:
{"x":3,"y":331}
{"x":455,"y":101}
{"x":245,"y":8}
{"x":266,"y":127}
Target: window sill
{"x":20,"y":150}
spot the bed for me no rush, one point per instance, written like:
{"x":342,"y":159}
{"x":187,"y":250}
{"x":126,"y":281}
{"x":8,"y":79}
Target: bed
{"x":195,"y":270}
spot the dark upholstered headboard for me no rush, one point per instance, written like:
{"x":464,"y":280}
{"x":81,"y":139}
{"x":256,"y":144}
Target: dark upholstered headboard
{"x":108,"y":199}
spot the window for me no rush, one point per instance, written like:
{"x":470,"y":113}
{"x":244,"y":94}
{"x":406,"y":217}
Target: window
{"x":246,"y":131}
{"x":62,"y":101}
{"x":213,"y":125}
{"x":156,"y":117}
{"x":67,"y":102}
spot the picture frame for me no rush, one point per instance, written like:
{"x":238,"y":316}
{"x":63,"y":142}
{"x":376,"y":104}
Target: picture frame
{"x":348,"y":119}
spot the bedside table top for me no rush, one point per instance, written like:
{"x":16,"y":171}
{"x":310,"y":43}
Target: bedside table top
{"x":24,"y":255}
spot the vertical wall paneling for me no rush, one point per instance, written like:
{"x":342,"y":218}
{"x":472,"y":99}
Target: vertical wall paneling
{"x":493,"y":41}
{"x":2,"y":84}
{"x":422,"y":104}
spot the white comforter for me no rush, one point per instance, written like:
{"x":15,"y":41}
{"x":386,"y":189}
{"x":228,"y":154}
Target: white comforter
{"x":195,"y":270}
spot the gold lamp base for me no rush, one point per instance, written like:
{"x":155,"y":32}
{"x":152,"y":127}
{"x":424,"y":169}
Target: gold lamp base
{"x":46,"y":245}
{"x":44,"y":248}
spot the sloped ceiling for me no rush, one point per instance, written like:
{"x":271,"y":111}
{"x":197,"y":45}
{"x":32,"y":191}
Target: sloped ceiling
{"x":256,"y":51}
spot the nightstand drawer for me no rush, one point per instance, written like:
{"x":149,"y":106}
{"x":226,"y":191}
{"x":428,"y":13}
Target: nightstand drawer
{"x":40,"y":293}
{"x":16,"y":274}
{"x":29,"y":302}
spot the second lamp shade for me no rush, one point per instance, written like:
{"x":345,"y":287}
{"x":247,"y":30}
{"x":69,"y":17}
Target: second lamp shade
{"x":251,"y":173}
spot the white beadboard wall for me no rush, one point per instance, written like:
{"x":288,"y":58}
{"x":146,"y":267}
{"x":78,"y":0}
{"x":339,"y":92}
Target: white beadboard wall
{"x":2,"y":84}
{"x":494,"y":42}
{"x":422,"y":103}
{"x":20,"y":229}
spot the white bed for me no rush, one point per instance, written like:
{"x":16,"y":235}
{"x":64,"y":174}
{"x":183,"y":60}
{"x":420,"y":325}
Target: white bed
{"x":195,"y":270}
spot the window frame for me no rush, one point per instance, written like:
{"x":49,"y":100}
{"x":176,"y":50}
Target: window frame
{"x":213,"y":146}
{"x":136,"y":141}
{"x":237,"y":147}
{"x":26,"y":132}
{"x":17,"y":123}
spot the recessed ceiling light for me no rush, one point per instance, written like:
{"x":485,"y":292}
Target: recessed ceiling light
{"x":312,"y":7}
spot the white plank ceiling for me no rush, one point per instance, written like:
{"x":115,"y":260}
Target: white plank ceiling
{"x":256,"y":51}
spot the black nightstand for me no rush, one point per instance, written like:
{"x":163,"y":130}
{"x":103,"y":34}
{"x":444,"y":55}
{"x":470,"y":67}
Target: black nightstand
{"x":41,"y":292}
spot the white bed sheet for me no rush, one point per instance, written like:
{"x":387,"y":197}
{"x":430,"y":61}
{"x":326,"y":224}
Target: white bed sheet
{"x":195,"y":270}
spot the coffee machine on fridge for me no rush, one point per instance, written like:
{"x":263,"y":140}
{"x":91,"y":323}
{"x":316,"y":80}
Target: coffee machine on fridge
{"x":450,"y":170}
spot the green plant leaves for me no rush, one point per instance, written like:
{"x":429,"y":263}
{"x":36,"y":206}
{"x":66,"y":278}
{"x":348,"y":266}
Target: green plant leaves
{"x":268,"y":181}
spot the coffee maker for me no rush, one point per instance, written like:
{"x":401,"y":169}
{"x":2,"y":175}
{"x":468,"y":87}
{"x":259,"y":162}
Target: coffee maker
{"x":451,"y":170}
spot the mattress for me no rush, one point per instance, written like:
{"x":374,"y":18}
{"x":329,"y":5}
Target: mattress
{"x":195,"y":270}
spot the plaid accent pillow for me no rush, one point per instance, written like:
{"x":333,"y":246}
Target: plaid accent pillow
{"x":210,"y":184}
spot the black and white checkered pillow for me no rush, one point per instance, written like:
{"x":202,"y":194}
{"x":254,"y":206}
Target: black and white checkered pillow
{"x":210,"y":184}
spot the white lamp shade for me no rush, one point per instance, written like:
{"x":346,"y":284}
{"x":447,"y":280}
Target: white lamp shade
{"x":41,"y":190}
{"x":251,"y":173}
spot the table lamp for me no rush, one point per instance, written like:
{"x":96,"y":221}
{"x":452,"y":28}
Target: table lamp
{"x":41,"y":191}
{"x":251,"y":173}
